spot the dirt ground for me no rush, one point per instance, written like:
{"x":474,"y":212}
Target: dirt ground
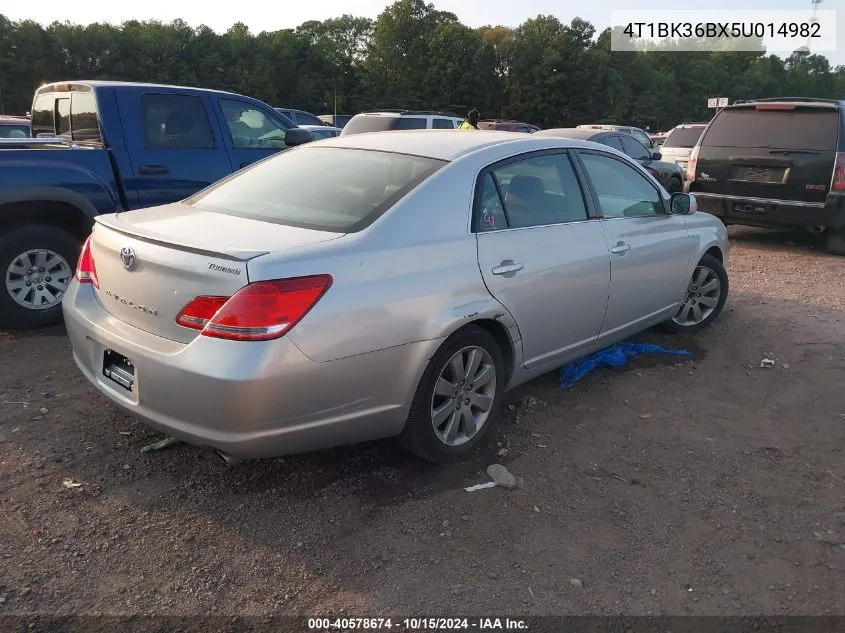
{"x":706,"y":485}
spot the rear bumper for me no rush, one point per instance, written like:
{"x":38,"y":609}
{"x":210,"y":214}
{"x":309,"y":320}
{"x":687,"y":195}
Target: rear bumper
{"x":766,"y":212}
{"x":251,"y":400}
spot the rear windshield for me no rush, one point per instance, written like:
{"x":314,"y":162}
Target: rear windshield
{"x":805,"y":128}
{"x":378,"y":123}
{"x":285,"y":190}
{"x":683,"y":137}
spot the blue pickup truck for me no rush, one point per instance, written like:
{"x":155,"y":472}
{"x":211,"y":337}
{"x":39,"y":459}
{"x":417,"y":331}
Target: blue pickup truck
{"x":101,"y":147}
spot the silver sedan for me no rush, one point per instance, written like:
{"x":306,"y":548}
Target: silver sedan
{"x":274,"y":313}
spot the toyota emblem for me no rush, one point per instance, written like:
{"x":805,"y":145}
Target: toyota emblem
{"x":127,"y":256}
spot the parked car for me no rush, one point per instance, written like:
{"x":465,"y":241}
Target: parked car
{"x":133,"y":145}
{"x":300,"y":117}
{"x":775,"y":163}
{"x":678,"y":145}
{"x":275,"y":313}
{"x":668,"y":174}
{"x":339,"y":120}
{"x":400,"y":120}
{"x":14,"y":127}
{"x":319,"y":132}
{"x":506,"y":126}
{"x":639,"y":134}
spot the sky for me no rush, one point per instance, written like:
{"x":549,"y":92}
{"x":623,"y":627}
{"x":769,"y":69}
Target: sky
{"x":271,"y":16}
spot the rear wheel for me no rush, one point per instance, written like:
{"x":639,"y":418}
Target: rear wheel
{"x":36,"y":266}
{"x":704,"y":297}
{"x":458,"y":397}
{"x":835,"y":242}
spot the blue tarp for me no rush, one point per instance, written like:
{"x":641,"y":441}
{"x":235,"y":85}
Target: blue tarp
{"x":615,"y":356}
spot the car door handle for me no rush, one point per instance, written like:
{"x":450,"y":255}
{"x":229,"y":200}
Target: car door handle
{"x":153,"y":170}
{"x":507,"y":267}
{"x":621,"y":248}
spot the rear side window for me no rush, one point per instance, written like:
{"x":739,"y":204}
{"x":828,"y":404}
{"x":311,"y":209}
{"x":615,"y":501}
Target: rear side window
{"x":171,"y":121}
{"x":410,"y":123}
{"x":283,"y":189}
{"x":683,"y":137}
{"x":802,"y":128}
{"x":443,"y":124}
{"x":303,"y":118}
{"x":83,"y":117}
{"x":13,"y":131}
{"x":42,"y":115}
{"x":613,"y":141}
{"x":63,"y":117}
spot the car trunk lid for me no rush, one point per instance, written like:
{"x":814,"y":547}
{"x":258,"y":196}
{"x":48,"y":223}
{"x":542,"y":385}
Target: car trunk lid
{"x":771,"y":151}
{"x":152,"y":262}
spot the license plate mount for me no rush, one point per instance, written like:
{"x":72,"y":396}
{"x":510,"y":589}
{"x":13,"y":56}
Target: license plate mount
{"x":119,"y":369}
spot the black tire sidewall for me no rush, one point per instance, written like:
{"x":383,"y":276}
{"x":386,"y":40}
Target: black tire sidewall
{"x":717,"y":267}
{"x":418,"y":436}
{"x":24,"y":238}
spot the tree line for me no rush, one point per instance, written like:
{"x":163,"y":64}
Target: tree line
{"x":413,"y":56}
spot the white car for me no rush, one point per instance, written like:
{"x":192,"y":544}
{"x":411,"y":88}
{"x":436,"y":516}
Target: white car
{"x":391,"y":120}
{"x":678,"y":145}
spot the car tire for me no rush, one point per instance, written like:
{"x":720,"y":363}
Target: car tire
{"x":712,"y":269}
{"x":421,"y":436}
{"x":835,"y":241}
{"x":35,"y":243}
{"x":675,"y":186}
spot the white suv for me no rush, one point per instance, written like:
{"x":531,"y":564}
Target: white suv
{"x":678,"y":145}
{"x":387,"y":120}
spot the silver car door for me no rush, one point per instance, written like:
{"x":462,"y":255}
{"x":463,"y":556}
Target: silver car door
{"x":649,"y":248}
{"x":541,"y":255}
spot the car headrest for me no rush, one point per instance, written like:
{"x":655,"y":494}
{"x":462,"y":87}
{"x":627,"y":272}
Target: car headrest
{"x":526,"y":187}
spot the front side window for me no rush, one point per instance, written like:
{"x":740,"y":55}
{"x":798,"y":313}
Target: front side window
{"x":614,"y":142}
{"x":633,"y":148}
{"x":642,"y":137}
{"x":171,"y":121}
{"x":443,"y":124}
{"x":283,"y":190}
{"x":540,"y":190}
{"x":303,"y":118}
{"x":251,"y":128}
{"x":622,"y":191}
{"x":410,"y":123}
{"x":14,"y":131}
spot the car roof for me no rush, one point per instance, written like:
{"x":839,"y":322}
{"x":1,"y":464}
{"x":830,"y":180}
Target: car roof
{"x":102,"y":83}
{"x":572,"y":132}
{"x":446,"y":144}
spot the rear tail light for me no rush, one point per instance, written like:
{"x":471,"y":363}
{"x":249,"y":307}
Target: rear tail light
{"x":693,"y":160}
{"x":838,"y":182}
{"x":86,"y":271}
{"x":260,"y":311}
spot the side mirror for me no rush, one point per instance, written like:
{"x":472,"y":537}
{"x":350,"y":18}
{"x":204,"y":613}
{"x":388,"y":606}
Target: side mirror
{"x":682,"y":204}
{"x":656,"y":156}
{"x":297,"y":136}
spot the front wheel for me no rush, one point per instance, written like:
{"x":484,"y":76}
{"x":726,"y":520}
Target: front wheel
{"x":675,"y":186}
{"x":458,"y":397}
{"x":36,"y":266}
{"x":704,"y":297}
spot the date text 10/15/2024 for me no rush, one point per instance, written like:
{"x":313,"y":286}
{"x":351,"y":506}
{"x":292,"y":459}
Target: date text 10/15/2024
{"x":417,"y":624}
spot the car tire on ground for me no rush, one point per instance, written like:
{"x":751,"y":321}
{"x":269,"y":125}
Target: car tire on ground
{"x":835,"y":241}
{"x":37,"y":262}
{"x":704,"y":297}
{"x":458,"y":397}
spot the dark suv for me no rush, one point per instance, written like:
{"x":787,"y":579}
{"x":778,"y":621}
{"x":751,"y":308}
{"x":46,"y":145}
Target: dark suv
{"x":775,"y":163}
